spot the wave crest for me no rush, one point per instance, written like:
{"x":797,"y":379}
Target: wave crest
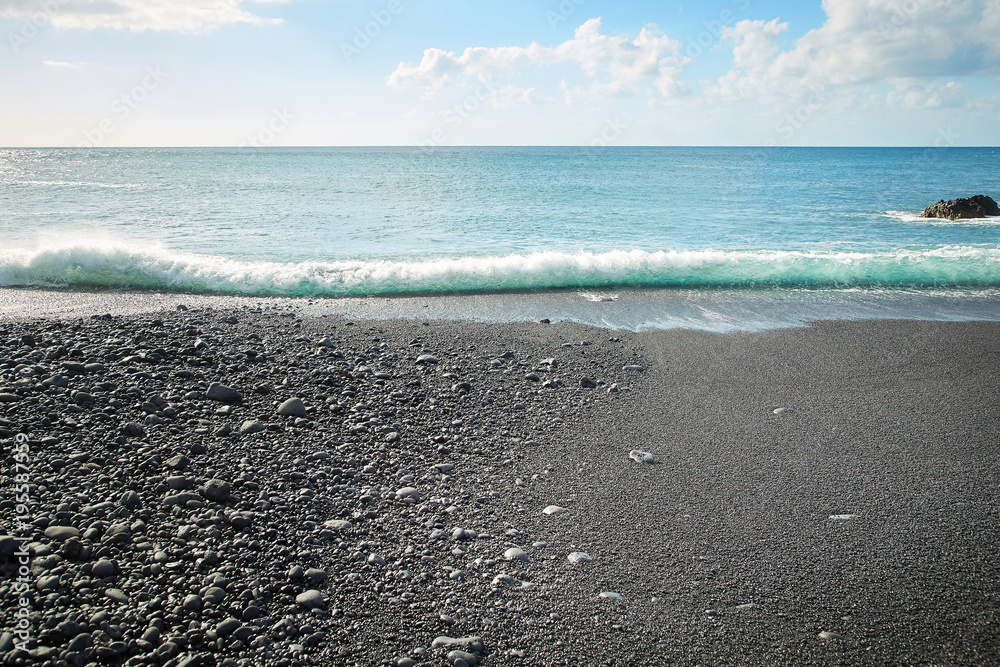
{"x":124,"y":267}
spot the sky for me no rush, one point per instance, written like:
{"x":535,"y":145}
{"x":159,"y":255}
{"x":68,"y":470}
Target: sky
{"x":107,"y":73}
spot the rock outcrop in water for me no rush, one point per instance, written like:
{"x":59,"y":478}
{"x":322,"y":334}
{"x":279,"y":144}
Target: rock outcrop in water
{"x":979,"y":206}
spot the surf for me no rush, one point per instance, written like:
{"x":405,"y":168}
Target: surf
{"x":118,"y":266}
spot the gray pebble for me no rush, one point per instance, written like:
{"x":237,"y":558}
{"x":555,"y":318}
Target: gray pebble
{"x":293,"y":407}
{"x":311,"y":599}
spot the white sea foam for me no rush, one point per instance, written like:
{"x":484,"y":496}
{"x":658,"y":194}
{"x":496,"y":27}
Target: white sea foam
{"x":112,"y":265}
{"x":914,"y":218}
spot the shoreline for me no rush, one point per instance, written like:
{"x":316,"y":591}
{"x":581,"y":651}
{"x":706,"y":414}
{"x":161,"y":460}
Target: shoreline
{"x":865,"y":510}
{"x":635,"y":310}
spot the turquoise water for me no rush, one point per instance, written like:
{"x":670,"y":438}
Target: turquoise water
{"x":385,"y":221}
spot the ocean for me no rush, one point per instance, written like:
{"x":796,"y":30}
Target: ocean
{"x":715,"y":238}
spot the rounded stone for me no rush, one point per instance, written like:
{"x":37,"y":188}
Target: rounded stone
{"x":61,"y":533}
{"x":311,"y":599}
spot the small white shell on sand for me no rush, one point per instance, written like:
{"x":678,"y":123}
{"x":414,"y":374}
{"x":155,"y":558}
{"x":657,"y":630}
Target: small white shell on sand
{"x":830,"y":636}
{"x":843,"y":517}
{"x":610,"y":595}
{"x":640,"y":456}
{"x":578,"y":557}
{"x":779,"y":411}
{"x":554,"y":509}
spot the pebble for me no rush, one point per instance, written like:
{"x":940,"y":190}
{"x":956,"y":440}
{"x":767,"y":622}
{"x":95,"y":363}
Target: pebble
{"x":458,"y":658}
{"x":311,"y":599}
{"x":427,"y":359}
{"x":293,"y":407}
{"x":554,"y":509}
{"x":251,"y":426}
{"x":516,"y":553}
{"x":133,"y":430}
{"x":408,"y":492}
{"x":223,"y":394}
{"x":640,"y":456}
{"x":115,"y":595}
{"x":179,"y":462}
{"x":61,"y":533}
{"x":578,"y":557}
{"x":588,"y":383}
{"x":826,"y":635}
{"x":467,"y":644}
{"x":216,"y":490}
{"x":609,"y":595}
{"x":227,"y":627}
{"x":463,"y":534}
{"x":102,"y":568}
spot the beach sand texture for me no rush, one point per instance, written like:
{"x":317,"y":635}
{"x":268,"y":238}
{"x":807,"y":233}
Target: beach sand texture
{"x":819,"y":495}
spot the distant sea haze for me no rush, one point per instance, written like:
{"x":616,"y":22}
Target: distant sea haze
{"x":386,"y":221}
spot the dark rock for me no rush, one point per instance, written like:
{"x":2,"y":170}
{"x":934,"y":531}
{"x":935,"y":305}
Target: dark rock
{"x":102,"y":568}
{"x":963,"y":208}
{"x":72,"y":549}
{"x":118,"y":533}
{"x":179,"y":462}
{"x":227,"y":627}
{"x":133,"y":430}
{"x":8,"y":545}
{"x":216,"y":490}
{"x":130,"y":499}
{"x":587,"y":383}
{"x":223,"y":394}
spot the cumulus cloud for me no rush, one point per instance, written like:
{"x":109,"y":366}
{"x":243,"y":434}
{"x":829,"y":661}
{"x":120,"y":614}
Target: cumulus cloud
{"x":136,"y":15}
{"x":908,"y":44}
{"x":616,"y":64}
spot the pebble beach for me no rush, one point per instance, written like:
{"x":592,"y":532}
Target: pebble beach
{"x":242,"y":482}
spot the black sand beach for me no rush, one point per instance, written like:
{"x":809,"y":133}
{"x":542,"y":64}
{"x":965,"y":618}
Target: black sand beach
{"x":820,"y":495}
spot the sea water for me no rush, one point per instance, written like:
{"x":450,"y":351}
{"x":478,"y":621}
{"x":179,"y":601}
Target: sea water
{"x":709,"y":237}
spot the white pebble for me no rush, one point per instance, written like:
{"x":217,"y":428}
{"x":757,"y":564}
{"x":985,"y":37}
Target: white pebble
{"x":516,"y":553}
{"x":640,"y":456}
{"x":554,"y":509}
{"x":610,"y":595}
{"x":578,"y":557}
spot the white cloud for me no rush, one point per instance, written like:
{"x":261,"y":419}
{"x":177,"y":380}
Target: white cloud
{"x":136,"y":15}
{"x":909,"y":44}
{"x":616,"y":64}
{"x":62,"y":64}
{"x":510,"y":96}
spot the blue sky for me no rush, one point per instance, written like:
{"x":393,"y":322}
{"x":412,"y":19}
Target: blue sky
{"x":442,"y":72}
